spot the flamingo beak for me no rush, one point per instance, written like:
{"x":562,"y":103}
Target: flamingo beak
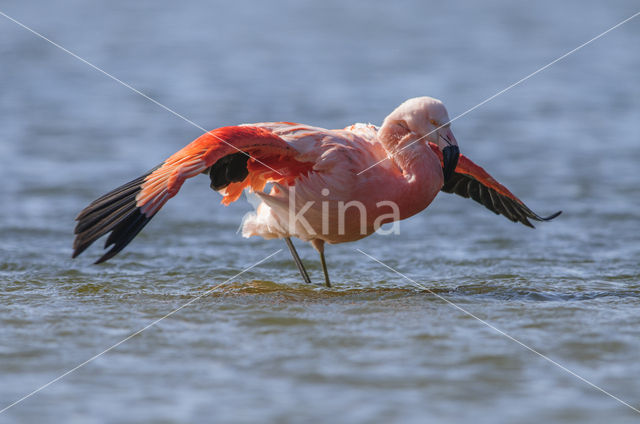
{"x":450,"y":153}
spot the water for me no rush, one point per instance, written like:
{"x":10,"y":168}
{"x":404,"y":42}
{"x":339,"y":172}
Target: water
{"x":264,"y":347}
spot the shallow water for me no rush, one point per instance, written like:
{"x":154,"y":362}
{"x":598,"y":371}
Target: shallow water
{"x":264,"y":346}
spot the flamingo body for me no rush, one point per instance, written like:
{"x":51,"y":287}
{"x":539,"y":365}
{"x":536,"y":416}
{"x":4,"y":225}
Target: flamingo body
{"x":337,"y":157}
{"x":344,"y":183}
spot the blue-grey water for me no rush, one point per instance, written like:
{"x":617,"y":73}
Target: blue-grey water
{"x":264,"y":347}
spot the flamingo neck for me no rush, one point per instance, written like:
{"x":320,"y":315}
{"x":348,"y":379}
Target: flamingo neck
{"x":420,"y":168}
{"x":403,"y":148}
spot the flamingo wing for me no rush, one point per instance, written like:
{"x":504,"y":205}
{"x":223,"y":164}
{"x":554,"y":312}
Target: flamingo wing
{"x":234,"y":157}
{"x":471,"y":181}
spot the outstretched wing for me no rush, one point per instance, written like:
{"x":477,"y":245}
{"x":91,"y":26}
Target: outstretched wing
{"x":471,"y":181}
{"x":234,"y":157}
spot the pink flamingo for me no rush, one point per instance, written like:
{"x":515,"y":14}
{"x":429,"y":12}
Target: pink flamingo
{"x":319,"y":192}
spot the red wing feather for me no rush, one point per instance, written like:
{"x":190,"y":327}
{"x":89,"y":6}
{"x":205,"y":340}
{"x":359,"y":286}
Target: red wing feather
{"x":127,"y":209}
{"x":471,"y":181}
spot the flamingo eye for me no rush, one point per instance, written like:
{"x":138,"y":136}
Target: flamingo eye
{"x":434,"y":122}
{"x":403,"y":124}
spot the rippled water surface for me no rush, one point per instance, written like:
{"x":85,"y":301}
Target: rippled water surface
{"x":263,"y":347}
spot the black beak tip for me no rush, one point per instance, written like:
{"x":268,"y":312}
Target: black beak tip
{"x":450,"y":155}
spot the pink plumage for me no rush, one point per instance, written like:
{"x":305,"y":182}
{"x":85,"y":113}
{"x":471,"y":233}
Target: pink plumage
{"x":329,"y":186}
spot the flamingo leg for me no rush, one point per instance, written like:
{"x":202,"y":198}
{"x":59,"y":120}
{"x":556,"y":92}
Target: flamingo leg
{"x":298,"y":261}
{"x":319,"y":246}
{"x":324,"y":269}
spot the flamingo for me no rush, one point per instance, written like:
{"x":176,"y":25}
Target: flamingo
{"x":318,"y":185}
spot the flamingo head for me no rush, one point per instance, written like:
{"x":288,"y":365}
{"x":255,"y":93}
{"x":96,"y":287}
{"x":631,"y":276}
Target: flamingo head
{"x":426,"y":119}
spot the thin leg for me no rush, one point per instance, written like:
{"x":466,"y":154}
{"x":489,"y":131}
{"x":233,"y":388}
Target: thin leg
{"x":319,"y":246}
{"x":324,"y":269}
{"x":296,"y":258}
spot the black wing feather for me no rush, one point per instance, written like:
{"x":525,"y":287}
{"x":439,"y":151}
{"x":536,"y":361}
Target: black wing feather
{"x":117,"y":212}
{"x":466,"y":186}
